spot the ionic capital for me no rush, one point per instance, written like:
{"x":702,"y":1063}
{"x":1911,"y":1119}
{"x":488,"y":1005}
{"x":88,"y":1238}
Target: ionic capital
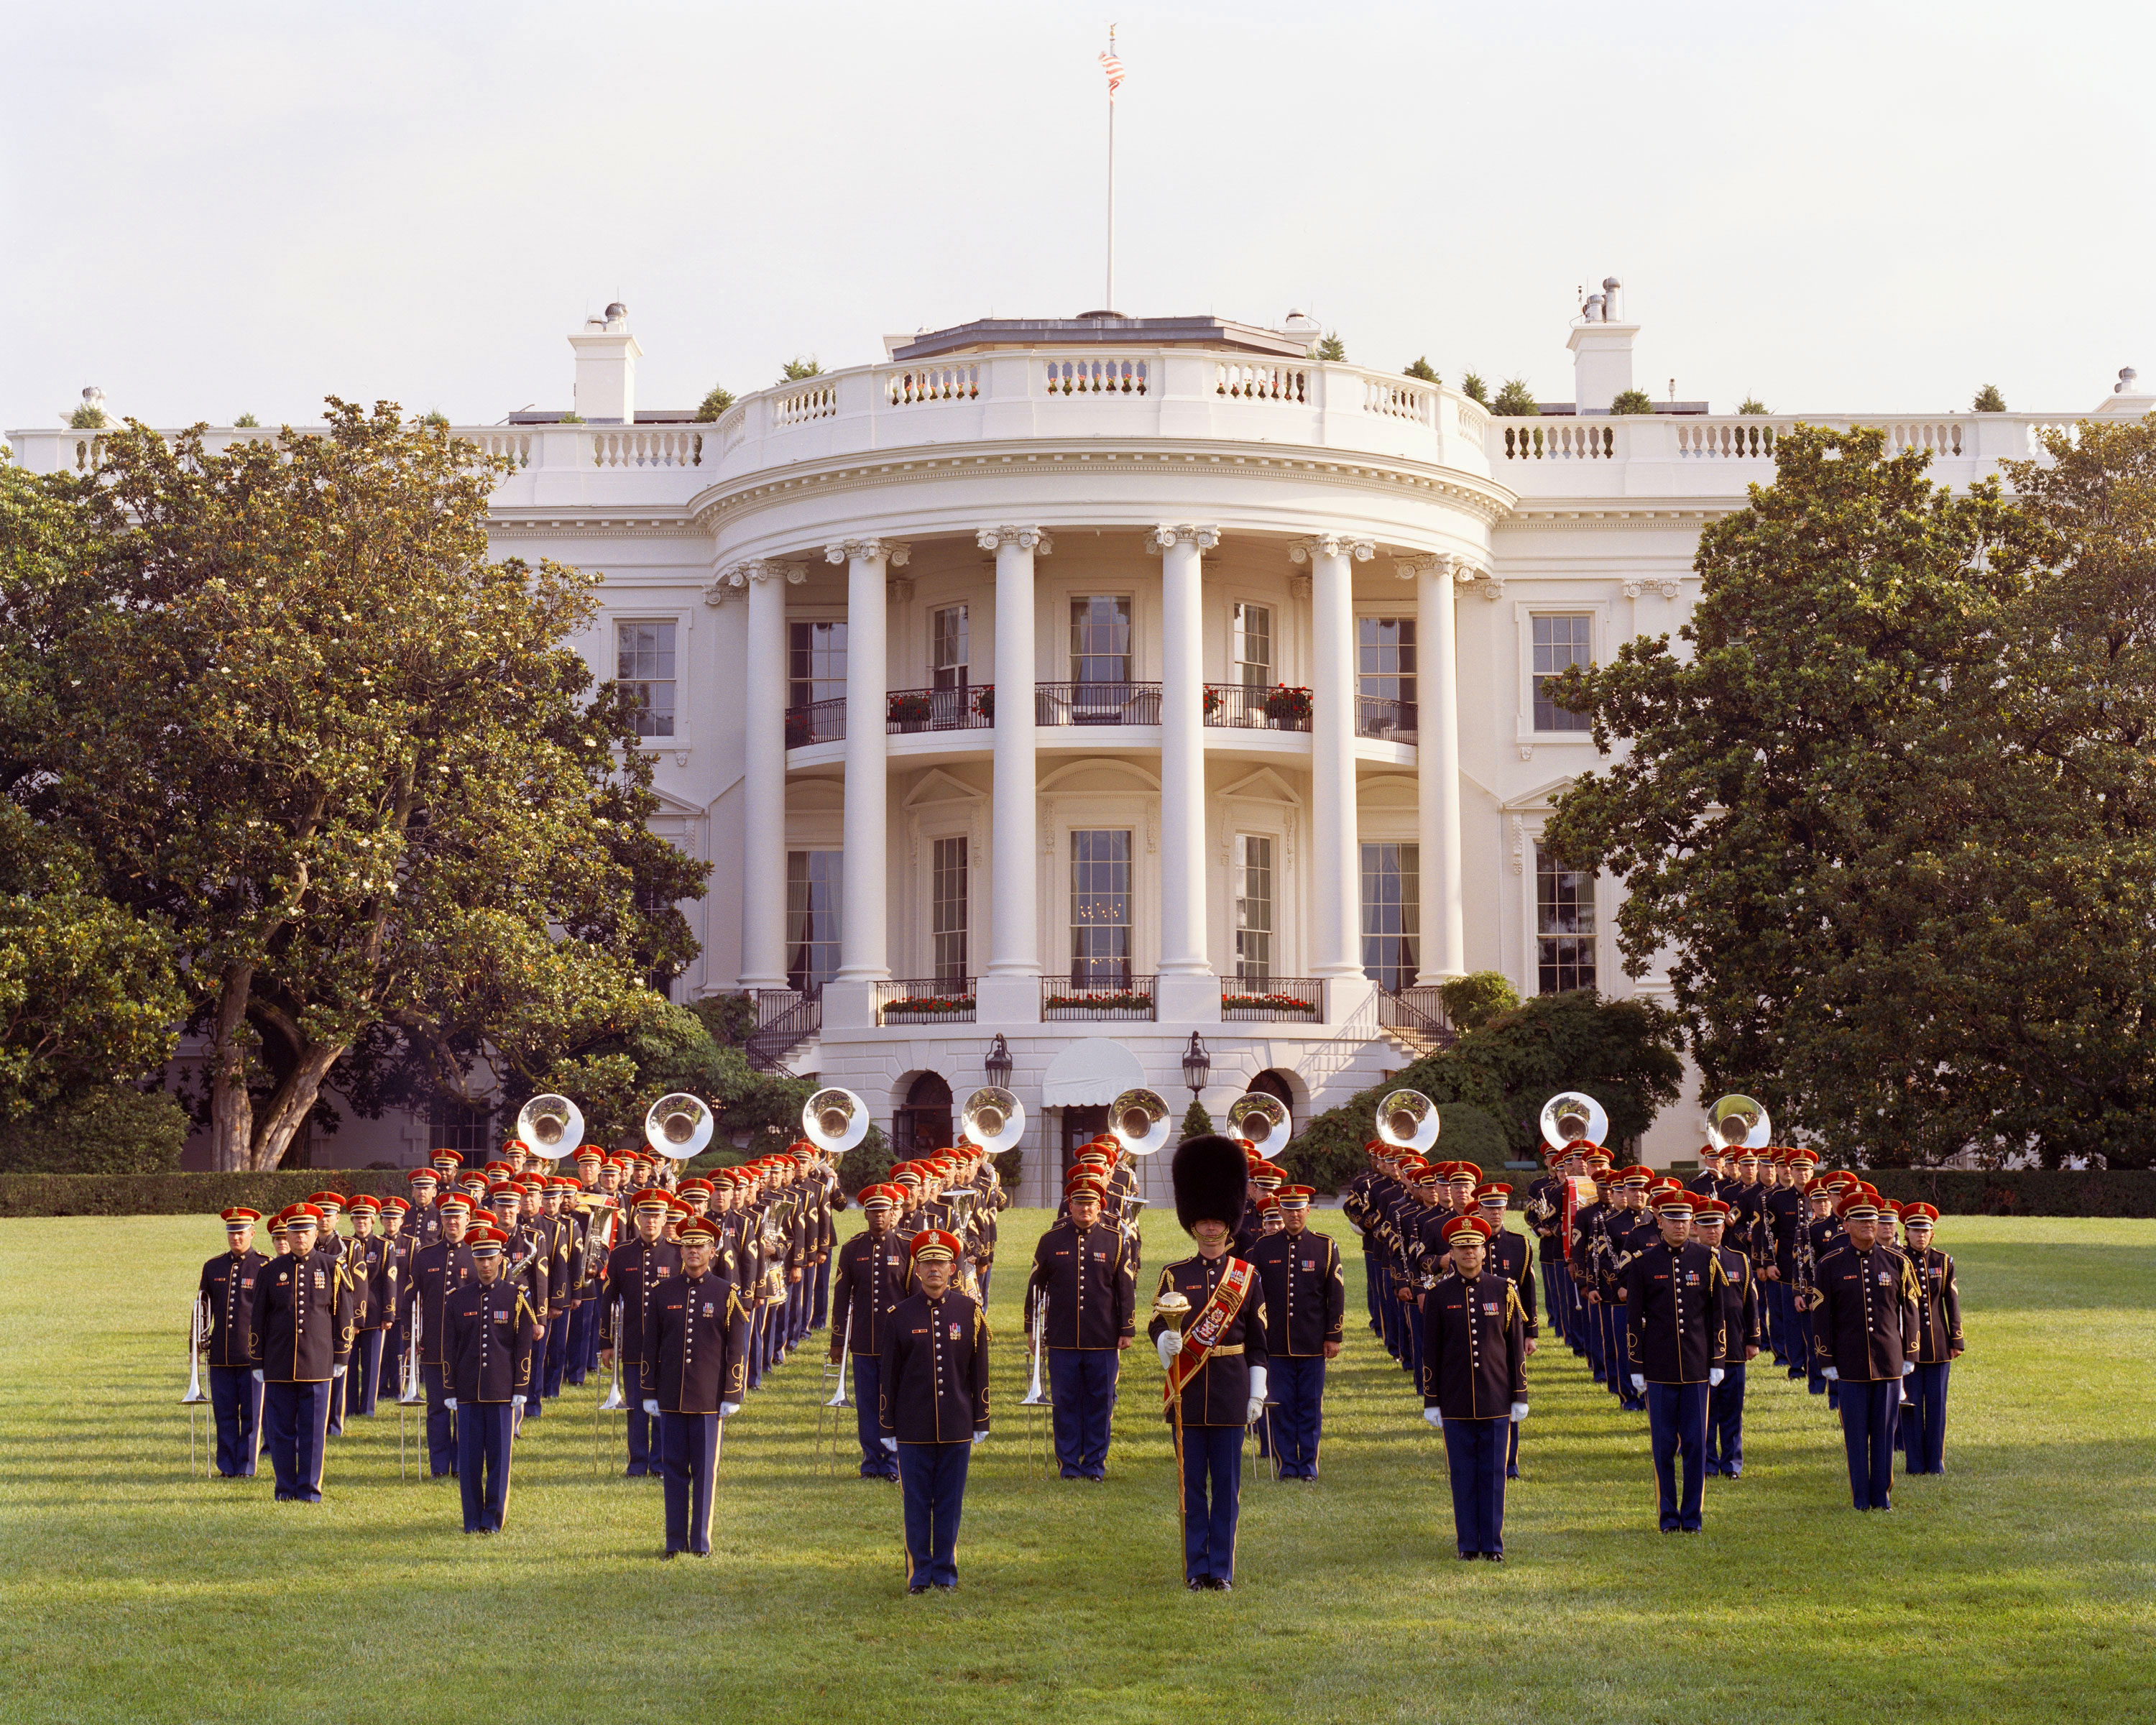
{"x":891,"y":551}
{"x":1332,"y":545}
{"x":1165,"y":538}
{"x":1032,"y":539}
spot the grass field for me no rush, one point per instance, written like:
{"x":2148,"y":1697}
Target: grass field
{"x":2018,"y":1586}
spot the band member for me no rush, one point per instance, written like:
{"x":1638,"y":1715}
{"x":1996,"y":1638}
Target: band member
{"x":1474,"y":1382}
{"x":1216,"y":1359}
{"x":423,"y":1223}
{"x":1864,"y":1318}
{"x":932,"y":1402}
{"x":235,"y":1386}
{"x":301,"y":1332}
{"x":1938,"y":1343}
{"x":637,"y":1268}
{"x":695,"y":1365}
{"x":437,"y":1271}
{"x":1306,"y":1301}
{"x":1358,"y":1204}
{"x":1740,"y":1341}
{"x":489,"y":1333}
{"x":1081,"y":1269}
{"x":869,"y":1283}
{"x":1508,"y":1255}
{"x":1673,"y":1337}
{"x":397,"y":1248}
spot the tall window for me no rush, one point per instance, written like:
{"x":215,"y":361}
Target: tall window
{"x":1564,"y":925}
{"x":644,"y":661}
{"x":816,"y":662}
{"x":1101,"y":907}
{"x":1100,"y":640}
{"x":1253,"y":909}
{"x":1385,"y":673}
{"x":812,"y":917}
{"x":1254,"y":645}
{"x":1392,"y":914}
{"x":946,"y":648}
{"x":1560,"y":643}
{"x":462,"y":1129}
{"x":948,"y":911}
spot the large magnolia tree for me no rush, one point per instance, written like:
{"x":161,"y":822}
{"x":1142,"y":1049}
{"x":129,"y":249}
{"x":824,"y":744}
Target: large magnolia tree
{"x":357,"y":770}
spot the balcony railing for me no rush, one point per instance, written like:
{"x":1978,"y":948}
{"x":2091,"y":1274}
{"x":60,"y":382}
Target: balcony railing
{"x":819,"y":722}
{"x":925,"y":1000}
{"x":1062,"y":998}
{"x":909,"y":710}
{"x":1420,"y":1010}
{"x":1097,"y":704}
{"x":1277,"y":996}
{"x":785,"y":1018}
{"x":1249,"y":707}
{"x":1382,"y":716}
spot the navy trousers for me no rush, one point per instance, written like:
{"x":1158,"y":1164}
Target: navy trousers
{"x":877,"y":1463}
{"x":1924,"y":1425}
{"x":1474,"y":1455}
{"x":1676,"y":1424}
{"x":235,"y":1403}
{"x":819,"y":1309}
{"x":484,"y":1432}
{"x":1411,"y":1343}
{"x":986,"y":1274}
{"x":581,"y":1321}
{"x":1388,"y":1309}
{"x":1370,"y":1288}
{"x":1082,"y":1383}
{"x":1210,"y":1459}
{"x":335,"y":1427}
{"x":1725,"y":1424}
{"x":363,"y":1376}
{"x":557,"y":1355}
{"x":441,"y":1423}
{"x":1867,"y":1432}
{"x":387,"y":1380}
{"x":1590,"y":1324}
{"x":689,"y":1449}
{"x":1296,"y":1389}
{"x":641,"y":1460}
{"x":931,"y":1479}
{"x":295,"y":1419}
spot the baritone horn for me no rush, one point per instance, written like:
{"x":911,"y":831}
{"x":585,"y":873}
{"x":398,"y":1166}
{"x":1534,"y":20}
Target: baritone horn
{"x":1407,"y":1120}
{"x":198,"y":1327}
{"x":1262,"y":1120}
{"x":550,"y":1126}
{"x":678,"y":1126}
{"x":1572,"y":1116}
{"x":1138,"y":1118}
{"x":993,"y":1118}
{"x":834,"y":1120}
{"x":1739,"y":1124}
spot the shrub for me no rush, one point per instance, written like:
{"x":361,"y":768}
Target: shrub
{"x":1424,"y":370}
{"x":246,"y":422}
{"x":798,"y":368}
{"x":1632,"y":401}
{"x":985,"y":703}
{"x":1989,"y":400}
{"x":183,"y":1194}
{"x":1475,"y":389}
{"x":1753,"y":404}
{"x":716,"y":403}
{"x":1288,"y":705}
{"x":1471,"y":1001}
{"x":1515,"y":401}
{"x":1327,"y":1161}
{"x":106,"y":1132}
{"x":1196,"y":1122}
{"x":911,"y":707}
{"x":1331,"y":348}
{"x":87,"y":417}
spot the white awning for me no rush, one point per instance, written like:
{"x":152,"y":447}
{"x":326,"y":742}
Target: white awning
{"x":1090,"y":1072}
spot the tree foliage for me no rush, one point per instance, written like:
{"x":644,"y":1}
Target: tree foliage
{"x":1515,"y":400}
{"x":1474,"y":388}
{"x":714,"y":403}
{"x":799,"y":367}
{"x":1331,"y":347}
{"x":1471,"y":1001}
{"x":1989,"y":400}
{"x":1423,"y":370}
{"x":1632,"y":401}
{"x":1196,"y":1122}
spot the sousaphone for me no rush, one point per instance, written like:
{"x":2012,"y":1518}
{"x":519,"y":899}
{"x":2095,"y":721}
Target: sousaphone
{"x":552,"y":1126}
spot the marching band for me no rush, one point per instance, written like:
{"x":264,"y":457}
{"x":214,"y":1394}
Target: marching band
{"x":479,"y":1297}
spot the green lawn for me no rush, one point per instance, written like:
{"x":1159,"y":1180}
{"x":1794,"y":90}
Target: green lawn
{"x":2018,"y":1586}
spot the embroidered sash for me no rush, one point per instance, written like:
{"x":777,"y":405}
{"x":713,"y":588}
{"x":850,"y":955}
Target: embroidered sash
{"x":1204,"y":1332}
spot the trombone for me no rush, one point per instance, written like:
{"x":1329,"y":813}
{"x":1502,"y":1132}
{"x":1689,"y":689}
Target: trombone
{"x":198,"y":1334}
{"x":613,"y":1402}
{"x":1036,"y":1394}
{"x":411,"y":1390}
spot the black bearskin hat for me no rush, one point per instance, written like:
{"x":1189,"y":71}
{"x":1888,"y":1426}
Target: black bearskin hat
{"x":1212,"y":1181}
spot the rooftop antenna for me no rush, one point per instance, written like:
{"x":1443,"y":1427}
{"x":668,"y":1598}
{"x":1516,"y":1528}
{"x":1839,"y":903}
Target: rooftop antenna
{"x":1114,"y":68}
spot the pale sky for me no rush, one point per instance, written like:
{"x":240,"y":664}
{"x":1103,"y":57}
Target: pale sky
{"x":212,"y":208}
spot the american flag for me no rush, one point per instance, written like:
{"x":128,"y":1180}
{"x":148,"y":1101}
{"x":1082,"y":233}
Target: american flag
{"x":1113,"y":66}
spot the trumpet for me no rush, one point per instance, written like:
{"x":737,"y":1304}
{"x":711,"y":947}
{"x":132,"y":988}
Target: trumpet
{"x":198,"y":1329}
{"x":550,"y":1126}
{"x":1262,"y":1120}
{"x":1139,"y":1120}
{"x":1407,"y":1120}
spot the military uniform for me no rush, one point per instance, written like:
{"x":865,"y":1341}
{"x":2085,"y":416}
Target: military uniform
{"x":1474,"y":1376}
{"x":1864,"y":1316}
{"x":1209,"y":1415}
{"x":228,"y":1285}
{"x":301,"y":1333}
{"x":437,"y":1270}
{"x":867,"y":1284}
{"x":490,"y":1332}
{"x":695,"y":1364}
{"x":1938,"y":1343}
{"x":634,"y":1272}
{"x":932,"y":1402}
{"x":1085,"y":1276}
{"x":374,"y":1307}
{"x":1674,"y":1335}
{"x":1304,"y":1305}
{"x":1740,"y":1339}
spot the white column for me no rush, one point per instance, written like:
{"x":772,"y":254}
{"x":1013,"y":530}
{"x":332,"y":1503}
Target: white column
{"x":1188,"y":989}
{"x":849,"y":1001}
{"x":763,"y":791}
{"x":1437,"y":771}
{"x":1008,"y":992}
{"x":1336,"y":939}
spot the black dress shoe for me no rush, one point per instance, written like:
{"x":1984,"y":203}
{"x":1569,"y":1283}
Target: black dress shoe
{"x":917,"y":1587}
{"x":1221,"y":1584}
{"x":669,"y":1557}
{"x":947,"y":1587}
{"x":1469,"y":1556}
{"x":1493,"y":1556}
{"x":1193,"y":1584}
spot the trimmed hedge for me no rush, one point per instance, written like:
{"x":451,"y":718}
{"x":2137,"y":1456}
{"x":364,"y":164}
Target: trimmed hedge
{"x":184,"y":1194}
{"x":2021,"y":1192}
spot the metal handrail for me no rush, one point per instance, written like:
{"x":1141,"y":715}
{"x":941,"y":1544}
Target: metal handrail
{"x":1420,"y":1009}
{"x":1382,"y":716}
{"x":1278,"y":996}
{"x":1067,"y":998}
{"x":785,"y":1018}
{"x":1096,"y":703}
{"x":925,"y":1000}
{"x":1253,"y":706}
{"x":818,"y":722}
{"x":965,"y":708}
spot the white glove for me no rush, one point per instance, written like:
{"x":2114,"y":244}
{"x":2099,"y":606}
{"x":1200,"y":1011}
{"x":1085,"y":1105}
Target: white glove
{"x":1639,"y":1383}
{"x":450,"y":1402}
{"x":1832,"y":1375}
{"x":1258,"y":1386}
{"x":1519,"y":1412}
{"x":257,"y":1375}
{"x":1435,"y":1416}
{"x":519,"y":1400}
{"x":1908,"y":1367}
{"x":980,"y":1437}
{"x":337,"y":1371}
{"x":651,"y":1408}
{"x":891,"y":1444}
{"x":1169,"y":1345}
{"x":1713,"y":1375}
{"x":728,"y":1410}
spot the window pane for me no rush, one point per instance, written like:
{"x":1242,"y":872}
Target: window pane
{"x":1101,"y":907}
{"x":1253,"y":909}
{"x":947,"y":912}
{"x":462,"y":1129}
{"x":1392,"y":914}
{"x":816,"y":662}
{"x":643,"y":662}
{"x":1385,"y":657}
{"x":812,"y":917}
{"x":948,"y":648}
{"x":1564,"y":926}
{"x":1560,"y":643}
{"x":1100,"y":640}
{"x":1254,"y":646}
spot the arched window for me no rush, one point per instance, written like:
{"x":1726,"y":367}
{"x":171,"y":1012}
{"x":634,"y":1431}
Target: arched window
{"x":923,"y":1122}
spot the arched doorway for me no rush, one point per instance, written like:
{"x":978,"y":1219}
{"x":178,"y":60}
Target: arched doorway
{"x":922,"y":1122}
{"x":1274,"y":1083}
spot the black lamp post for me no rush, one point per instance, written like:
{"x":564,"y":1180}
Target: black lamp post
{"x":1197,"y":1065}
{"x":998,"y":1065}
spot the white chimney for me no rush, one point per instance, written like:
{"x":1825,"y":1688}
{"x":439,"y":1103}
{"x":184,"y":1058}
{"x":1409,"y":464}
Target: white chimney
{"x":1601,"y":351}
{"x":2127,"y":399}
{"x":1299,"y":326}
{"x":606,"y":368}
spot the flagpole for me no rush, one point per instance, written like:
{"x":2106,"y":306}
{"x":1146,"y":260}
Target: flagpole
{"x":1109,"y":303}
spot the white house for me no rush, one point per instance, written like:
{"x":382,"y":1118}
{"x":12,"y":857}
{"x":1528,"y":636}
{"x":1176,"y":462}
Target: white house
{"x":1096,"y":683}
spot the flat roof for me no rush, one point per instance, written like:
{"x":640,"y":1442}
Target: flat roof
{"x":1100,"y":329}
